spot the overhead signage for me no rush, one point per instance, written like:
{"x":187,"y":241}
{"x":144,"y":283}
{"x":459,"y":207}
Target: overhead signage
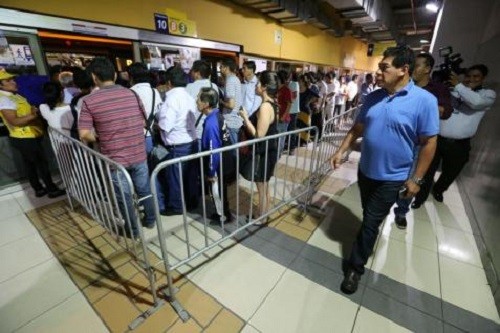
{"x":89,"y":29}
{"x":182,"y":27}
{"x":161,"y":23}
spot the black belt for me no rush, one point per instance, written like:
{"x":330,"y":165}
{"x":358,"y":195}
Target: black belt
{"x":454,"y":140}
{"x":180,"y":145}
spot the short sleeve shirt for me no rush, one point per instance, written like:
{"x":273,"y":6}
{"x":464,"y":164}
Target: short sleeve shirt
{"x":116,"y":115}
{"x":392,"y":127}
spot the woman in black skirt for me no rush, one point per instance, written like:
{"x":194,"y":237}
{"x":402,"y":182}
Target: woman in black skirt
{"x":263,"y":123}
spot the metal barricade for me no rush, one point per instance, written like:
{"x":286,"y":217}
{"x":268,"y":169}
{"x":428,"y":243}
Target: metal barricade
{"x":191,"y":235}
{"x":334,"y":131}
{"x":100,"y":186}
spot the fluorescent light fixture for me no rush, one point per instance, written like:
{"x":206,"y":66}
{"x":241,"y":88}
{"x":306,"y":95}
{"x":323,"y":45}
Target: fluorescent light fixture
{"x":424,"y":41}
{"x":432,"y":7}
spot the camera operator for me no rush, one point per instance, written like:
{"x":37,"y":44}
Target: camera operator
{"x":470,"y":101}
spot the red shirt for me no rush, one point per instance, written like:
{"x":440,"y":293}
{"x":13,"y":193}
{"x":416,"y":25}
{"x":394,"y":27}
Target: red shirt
{"x":284,"y":98}
{"x":116,"y":115}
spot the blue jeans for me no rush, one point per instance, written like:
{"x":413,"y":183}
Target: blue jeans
{"x":282,"y":128}
{"x":377,"y":198}
{"x":189,"y":179}
{"x":233,"y":133}
{"x":140,"y":179}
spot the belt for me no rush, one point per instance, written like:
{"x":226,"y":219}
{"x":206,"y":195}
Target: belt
{"x":180,"y":145}
{"x":454,"y":140}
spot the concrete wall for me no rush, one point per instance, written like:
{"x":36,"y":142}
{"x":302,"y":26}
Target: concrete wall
{"x":473,"y":29}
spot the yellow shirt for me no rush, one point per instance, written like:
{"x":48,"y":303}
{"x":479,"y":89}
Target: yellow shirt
{"x":22,"y":108}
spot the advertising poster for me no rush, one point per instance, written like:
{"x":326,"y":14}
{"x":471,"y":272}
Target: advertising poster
{"x":22,"y":55}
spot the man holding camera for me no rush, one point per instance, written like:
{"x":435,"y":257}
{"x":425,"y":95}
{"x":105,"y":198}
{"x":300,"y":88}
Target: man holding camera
{"x":470,"y":101}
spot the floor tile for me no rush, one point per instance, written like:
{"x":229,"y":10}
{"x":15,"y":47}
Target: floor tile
{"x":73,"y":315}
{"x":369,"y":321}
{"x":9,"y":207}
{"x":225,"y":322}
{"x":458,"y":245}
{"x":32,"y":293}
{"x":465,"y":286}
{"x":21,"y":255}
{"x":28,"y":201}
{"x":309,"y":308}
{"x":463,"y":320}
{"x":239,"y":269}
{"x":249,"y":329}
{"x":401,"y":314}
{"x":452,"y":217}
{"x":200,"y":305}
{"x":184,"y":327}
{"x":418,"y":232}
{"x":408,"y":264}
{"x":14,"y":228}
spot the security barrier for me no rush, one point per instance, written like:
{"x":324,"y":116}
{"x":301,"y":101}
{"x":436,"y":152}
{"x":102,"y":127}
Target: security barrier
{"x":100,"y":186}
{"x":334,"y":131}
{"x":183,"y":239}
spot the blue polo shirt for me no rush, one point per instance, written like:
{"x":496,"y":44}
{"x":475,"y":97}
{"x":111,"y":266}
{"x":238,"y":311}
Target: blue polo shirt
{"x":392,"y":127}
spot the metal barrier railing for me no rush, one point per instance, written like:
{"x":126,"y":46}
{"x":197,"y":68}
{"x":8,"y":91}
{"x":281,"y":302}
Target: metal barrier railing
{"x":334,"y":131}
{"x":183,"y":240}
{"x":102,"y":187}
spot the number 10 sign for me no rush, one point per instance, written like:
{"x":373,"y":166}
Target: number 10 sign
{"x":161,"y":24}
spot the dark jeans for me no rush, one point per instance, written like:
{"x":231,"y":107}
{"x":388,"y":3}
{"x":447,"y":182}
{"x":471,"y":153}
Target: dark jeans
{"x":35,"y":162}
{"x":190,"y":178}
{"x":140,"y":179}
{"x":453,"y":154}
{"x":317,"y":120}
{"x":292,"y":125}
{"x":377,"y":198}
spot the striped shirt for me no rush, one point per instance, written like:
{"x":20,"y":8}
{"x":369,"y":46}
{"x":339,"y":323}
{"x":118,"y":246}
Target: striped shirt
{"x":116,"y":115}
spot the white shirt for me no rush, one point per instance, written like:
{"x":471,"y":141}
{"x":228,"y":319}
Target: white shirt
{"x":323,"y":87}
{"x":251,"y":101}
{"x":469,"y":107}
{"x":193,"y":89}
{"x":177,"y":117}
{"x":145,"y":93}
{"x":294,"y":88}
{"x":59,"y":118}
{"x":69,"y":93}
{"x":233,"y":91}
{"x":339,"y":94}
{"x":352,"y":90}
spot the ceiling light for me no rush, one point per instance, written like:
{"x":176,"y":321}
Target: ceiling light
{"x":424,"y":41}
{"x":432,"y":7}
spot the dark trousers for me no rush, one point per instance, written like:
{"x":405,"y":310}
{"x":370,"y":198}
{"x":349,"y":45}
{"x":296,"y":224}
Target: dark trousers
{"x":292,"y":125}
{"x":35,"y":162}
{"x":317,"y":120}
{"x":453,"y":155}
{"x":190,"y":178}
{"x":377,"y":198}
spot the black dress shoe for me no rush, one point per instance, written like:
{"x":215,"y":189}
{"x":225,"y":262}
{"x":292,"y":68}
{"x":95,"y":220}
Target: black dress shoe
{"x":416,"y":205}
{"x":401,"y":222}
{"x":40,"y":192}
{"x":438,"y":196}
{"x":56,"y":193}
{"x":350,"y":283}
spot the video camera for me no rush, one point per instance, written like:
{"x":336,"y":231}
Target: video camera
{"x":451,"y":63}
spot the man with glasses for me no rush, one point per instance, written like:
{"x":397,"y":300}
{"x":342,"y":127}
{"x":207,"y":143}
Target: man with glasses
{"x":392,"y":121}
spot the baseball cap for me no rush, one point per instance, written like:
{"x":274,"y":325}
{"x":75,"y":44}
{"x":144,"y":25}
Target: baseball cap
{"x":4,"y":75}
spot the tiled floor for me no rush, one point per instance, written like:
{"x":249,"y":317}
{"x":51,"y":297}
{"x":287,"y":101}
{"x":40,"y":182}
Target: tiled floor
{"x":283,"y":278}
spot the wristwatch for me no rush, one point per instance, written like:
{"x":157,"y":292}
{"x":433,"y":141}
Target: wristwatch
{"x":417,"y":180}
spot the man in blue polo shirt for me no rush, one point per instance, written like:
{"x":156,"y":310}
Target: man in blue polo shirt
{"x":392,"y":121}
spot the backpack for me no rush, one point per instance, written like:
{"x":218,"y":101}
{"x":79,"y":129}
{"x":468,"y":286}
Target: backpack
{"x":228,"y":157}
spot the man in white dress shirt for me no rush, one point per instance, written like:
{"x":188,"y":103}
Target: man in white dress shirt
{"x":251,"y":101}
{"x":177,"y":119}
{"x":200,"y":73}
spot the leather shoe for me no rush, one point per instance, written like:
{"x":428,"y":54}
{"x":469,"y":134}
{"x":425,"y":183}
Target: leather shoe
{"x":416,"y":205}
{"x":401,"y":222}
{"x":56,"y":193}
{"x":350,"y":283}
{"x":40,"y":192}
{"x":438,"y":196}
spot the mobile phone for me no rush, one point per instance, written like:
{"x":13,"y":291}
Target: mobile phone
{"x":403,"y":191}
